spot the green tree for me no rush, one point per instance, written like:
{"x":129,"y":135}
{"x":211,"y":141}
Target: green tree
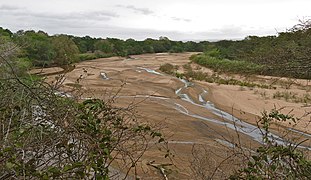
{"x":119,"y":47}
{"x":45,"y":136}
{"x":85,"y":44}
{"x":36,"y":46}
{"x":104,"y":46}
{"x":66,"y":50}
{"x":5,"y":33}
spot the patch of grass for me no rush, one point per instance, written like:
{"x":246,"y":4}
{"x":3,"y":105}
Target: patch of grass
{"x":87,"y":56}
{"x":179,"y":75}
{"x":214,"y":78}
{"x":286,"y":95}
{"x":197,"y":75}
{"x":226,"y":65}
{"x":90,"y":56}
{"x":306,"y":98}
{"x":202,"y":76}
{"x":263,"y":94}
{"x":293,"y":97}
{"x":187,"y":67}
{"x":167,"y":68}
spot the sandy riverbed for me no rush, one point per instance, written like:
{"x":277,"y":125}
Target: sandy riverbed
{"x":186,"y":122}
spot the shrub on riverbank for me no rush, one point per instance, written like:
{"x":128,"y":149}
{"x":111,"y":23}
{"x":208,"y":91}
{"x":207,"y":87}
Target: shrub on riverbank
{"x":189,"y":73}
{"x":48,"y":134}
{"x":90,"y":56}
{"x":226,"y":65}
{"x":274,"y":158}
{"x":293,"y":97}
{"x":168,"y":68}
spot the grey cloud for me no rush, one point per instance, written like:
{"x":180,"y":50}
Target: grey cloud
{"x":102,"y":14}
{"x":144,"y":11}
{"x":15,"y":12}
{"x":105,"y":30}
{"x":96,"y":23}
{"x":8,"y":8}
{"x":89,"y":16}
{"x":54,"y":23}
{"x":102,"y":29}
{"x":233,"y":32}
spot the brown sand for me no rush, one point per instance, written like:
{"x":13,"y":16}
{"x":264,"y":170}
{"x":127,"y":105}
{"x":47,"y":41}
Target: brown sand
{"x":182,"y":130}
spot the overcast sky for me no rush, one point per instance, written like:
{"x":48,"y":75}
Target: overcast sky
{"x":141,"y":19}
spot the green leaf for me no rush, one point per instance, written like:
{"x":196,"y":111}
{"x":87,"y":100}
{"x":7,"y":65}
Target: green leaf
{"x":77,"y":164}
{"x":106,"y":151}
{"x":10,"y":165}
{"x":67,"y":168}
{"x":7,"y":149}
{"x":18,"y":144}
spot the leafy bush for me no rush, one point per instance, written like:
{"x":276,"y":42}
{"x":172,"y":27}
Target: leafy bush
{"x":214,"y":78}
{"x":96,"y":55}
{"x":46,"y":136}
{"x":270,"y":160}
{"x":66,"y":51}
{"x":213,"y":53}
{"x":273,"y":160}
{"x":87,"y":56}
{"x":225,"y":65}
{"x":167,"y":68}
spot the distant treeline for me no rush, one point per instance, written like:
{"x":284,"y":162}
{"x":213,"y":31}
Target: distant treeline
{"x":288,"y":54}
{"x":41,"y":49}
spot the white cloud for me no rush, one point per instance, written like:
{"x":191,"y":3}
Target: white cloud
{"x":177,"y":19}
{"x":144,"y":11}
{"x":8,"y":8}
{"x":181,"y":19}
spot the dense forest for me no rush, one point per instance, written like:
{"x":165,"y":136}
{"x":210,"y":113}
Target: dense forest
{"x":286,"y":54}
{"x":41,"y":49}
